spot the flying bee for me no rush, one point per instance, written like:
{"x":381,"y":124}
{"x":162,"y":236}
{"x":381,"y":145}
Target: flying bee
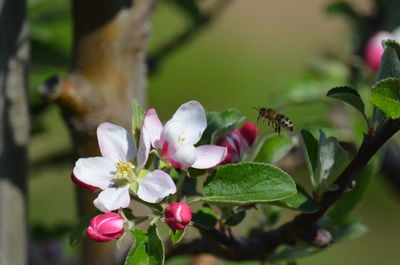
{"x":276,"y":119}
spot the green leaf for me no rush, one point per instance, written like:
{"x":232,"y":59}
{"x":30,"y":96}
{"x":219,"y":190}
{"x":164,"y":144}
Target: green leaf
{"x":236,"y":217}
{"x":219,"y":124}
{"x":155,"y":247}
{"x":311,"y":151}
{"x":247,"y":183}
{"x":79,"y":231}
{"x":331,"y":156}
{"x":348,"y":95}
{"x":390,"y":64}
{"x":137,"y":116}
{"x":385,"y":96}
{"x":274,"y":149}
{"x":148,"y":248}
{"x":389,"y":68}
{"x":138,"y":253}
{"x":205,"y":218}
{"x":177,"y":235}
{"x":301,"y":201}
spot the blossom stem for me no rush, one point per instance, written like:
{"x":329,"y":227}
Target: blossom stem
{"x":179,"y":186}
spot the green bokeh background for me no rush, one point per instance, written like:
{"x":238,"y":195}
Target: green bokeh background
{"x":250,"y":57}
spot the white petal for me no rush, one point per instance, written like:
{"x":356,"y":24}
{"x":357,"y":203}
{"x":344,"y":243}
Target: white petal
{"x":193,"y":116}
{"x":155,"y":186}
{"x":144,"y":148}
{"x":171,"y":137}
{"x":115,"y":142}
{"x":153,"y":127}
{"x":209,"y":156}
{"x":95,"y":171}
{"x":112,"y":199}
{"x":184,"y":156}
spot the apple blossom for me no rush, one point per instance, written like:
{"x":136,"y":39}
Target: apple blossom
{"x":179,"y":135}
{"x":374,"y":50}
{"x":105,"y":227}
{"x":115,"y":174}
{"x":177,"y":215}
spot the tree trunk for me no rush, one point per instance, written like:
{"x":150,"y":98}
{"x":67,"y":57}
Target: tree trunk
{"x":14,"y":131}
{"x":108,"y":70}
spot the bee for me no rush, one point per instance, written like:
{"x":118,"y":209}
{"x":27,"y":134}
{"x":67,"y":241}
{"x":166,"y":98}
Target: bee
{"x":276,"y":119}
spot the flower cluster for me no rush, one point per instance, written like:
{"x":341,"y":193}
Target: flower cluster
{"x":238,"y":141}
{"x":121,"y":173}
{"x":374,"y":50}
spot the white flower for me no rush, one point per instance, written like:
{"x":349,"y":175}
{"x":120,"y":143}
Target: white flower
{"x":115,"y":174}
{"x":179,"y":135}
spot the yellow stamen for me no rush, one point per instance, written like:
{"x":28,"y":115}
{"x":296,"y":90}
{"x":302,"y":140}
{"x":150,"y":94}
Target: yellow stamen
{"x":124,"y":170}
{"x":181,"y":139}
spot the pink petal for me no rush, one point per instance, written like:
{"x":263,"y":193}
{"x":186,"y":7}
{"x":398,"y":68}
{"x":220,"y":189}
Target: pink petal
{"x":153,"y":127}
{"x":155,"y":186}
{"x":239,"y":141}
{"x":144,"y":148}
{"x":115,"y":142}
{"x":95,"y":171}
{"x":184,"y":156}
{"x":112,"y":199}
{"x":374,"y":50}
{"x":209,"y":156}
{"x":232,"y":155}
{"x":249,"y":132}
{"x":193,"y":117}
{"x":82,"y":184}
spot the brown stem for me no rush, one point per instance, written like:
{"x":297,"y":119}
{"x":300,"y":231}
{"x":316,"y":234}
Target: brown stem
{"x":301,"y":228}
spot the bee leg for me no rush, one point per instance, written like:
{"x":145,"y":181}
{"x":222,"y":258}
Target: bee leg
{"x":279,"y":129}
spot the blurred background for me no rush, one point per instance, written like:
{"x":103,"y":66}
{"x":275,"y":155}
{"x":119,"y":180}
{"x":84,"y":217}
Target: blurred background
{"x":283,"y":54}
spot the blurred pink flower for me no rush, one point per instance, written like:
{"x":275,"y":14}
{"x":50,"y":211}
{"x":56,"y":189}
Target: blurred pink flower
{"x":374,"y":50}
{"x":105,"y":227}
{"x":177,"y":215}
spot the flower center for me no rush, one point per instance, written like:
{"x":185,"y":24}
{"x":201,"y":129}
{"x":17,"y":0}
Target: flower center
{"x":124,"y":170}
{"x":181,"y":139}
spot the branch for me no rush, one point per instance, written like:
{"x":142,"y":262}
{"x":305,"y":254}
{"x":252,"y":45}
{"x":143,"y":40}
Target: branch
{"x":153,"y":61}
{"x":302,"y":228}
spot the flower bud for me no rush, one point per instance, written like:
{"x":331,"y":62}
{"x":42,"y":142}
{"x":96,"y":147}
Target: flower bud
{"x":105,"y":227}
{"x":374,"y":50}
{"x":82,"y":184}
{"x":232,"y":155}
{"x":249,"y":132}
{"x":177,"y":215}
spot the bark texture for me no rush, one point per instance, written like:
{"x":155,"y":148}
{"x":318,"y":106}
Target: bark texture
{"x":14,"y":131}
{"x":108,"y":70}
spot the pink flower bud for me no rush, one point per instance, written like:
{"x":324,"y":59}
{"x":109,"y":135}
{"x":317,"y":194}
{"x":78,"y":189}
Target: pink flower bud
{"x":82,"y":184}
{"x":177,"y":215}
{"x":249,"y":132}
{"x":233,"y":155}
{"x":374,"y":50}
{"x":105,"y":227}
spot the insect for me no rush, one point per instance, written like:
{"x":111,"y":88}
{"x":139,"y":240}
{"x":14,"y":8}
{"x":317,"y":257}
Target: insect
{"x":276,"y":119}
